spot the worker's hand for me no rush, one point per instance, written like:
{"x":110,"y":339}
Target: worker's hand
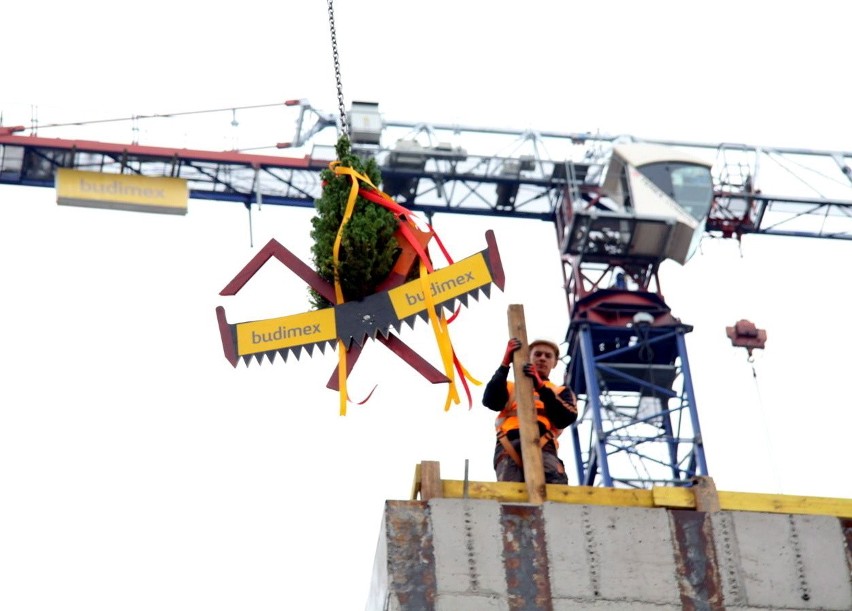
{"x":532,"y":372}
{"x":513,"y":345}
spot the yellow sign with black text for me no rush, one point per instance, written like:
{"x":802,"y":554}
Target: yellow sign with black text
{"x":121,"y":191}
{"x":443,"y":284}
{"x":286,"y":332}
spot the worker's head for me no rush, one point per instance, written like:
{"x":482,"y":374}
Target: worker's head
{"x":544,"y":355}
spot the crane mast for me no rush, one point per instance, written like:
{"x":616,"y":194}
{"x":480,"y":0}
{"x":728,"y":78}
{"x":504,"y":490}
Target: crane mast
{"x":620,"y":206}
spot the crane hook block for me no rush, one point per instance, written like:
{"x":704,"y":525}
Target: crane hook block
{"x":744,"y":334}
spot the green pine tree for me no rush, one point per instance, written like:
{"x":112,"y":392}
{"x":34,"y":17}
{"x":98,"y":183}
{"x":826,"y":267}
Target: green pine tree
{"x":368,"y":247}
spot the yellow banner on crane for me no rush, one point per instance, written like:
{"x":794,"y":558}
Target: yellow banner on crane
{"x":121,"y":191}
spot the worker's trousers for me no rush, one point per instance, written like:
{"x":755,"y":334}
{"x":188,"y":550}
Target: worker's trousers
{"x":508,"y":470}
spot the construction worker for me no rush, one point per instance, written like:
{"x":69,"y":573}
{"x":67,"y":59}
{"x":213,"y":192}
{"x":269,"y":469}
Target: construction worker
{"x":556,"y":409}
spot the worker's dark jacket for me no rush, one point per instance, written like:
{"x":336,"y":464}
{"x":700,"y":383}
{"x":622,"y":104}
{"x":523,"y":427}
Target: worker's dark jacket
{"x":555,"y":406}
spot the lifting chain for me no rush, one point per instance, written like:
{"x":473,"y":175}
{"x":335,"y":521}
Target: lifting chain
{"x":343,"y":125}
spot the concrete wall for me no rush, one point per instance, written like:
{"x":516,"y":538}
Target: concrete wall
{"x":482,"y":555}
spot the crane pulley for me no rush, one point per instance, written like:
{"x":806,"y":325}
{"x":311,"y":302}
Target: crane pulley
{"x":745,"y":334}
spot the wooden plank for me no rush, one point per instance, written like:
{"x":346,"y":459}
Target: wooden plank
{"x":590,"y":495}
{"x":663,"y":497}
{"x":683,"y":498}
{"x":509,"y":492}
{"x":530,"y":450}
{"x":701,"y":497}
{"x":780,"y":503}
{"x":673,"y":498}
{"x":505,"y":492}
{"x":430,"y":480}
{"x":706,"y":497}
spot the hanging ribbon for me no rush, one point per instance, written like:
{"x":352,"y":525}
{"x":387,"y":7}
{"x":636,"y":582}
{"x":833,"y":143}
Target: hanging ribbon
{"x":439,"y":323}
{"x":445,"y":347}
{"x":338,"y":290}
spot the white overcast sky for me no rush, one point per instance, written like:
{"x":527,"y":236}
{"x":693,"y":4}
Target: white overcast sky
{"x":139,"y":470}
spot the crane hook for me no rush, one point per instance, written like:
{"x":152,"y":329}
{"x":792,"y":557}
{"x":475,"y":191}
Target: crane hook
{"x":744,"y":334}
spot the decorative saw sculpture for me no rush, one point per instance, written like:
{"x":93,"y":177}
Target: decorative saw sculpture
{"x":388,"y":300}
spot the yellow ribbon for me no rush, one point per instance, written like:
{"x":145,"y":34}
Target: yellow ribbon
{"x":338,"y":290}
{"x":445,"y":347}
{"x":439,"y":323}
{"x":347,"y":214}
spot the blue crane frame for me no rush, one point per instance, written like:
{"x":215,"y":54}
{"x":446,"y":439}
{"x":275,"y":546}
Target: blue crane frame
{"x":616,"y":368}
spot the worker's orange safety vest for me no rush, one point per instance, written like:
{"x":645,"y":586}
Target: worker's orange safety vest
{"x":507,"y":419}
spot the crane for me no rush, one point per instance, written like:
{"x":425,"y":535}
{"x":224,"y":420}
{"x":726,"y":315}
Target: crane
{"x":628,"y":360}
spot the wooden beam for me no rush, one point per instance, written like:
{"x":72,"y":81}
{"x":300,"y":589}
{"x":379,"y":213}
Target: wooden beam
{"x":662,"y":497}
{"x":706,"y":497}
{"x":786,"y":503}
{"x":530,"y":449}
{"x":430,"y":480}
{"x":511,"y":492}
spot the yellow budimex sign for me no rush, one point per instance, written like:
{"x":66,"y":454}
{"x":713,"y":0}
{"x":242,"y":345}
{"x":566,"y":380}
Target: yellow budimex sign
{"x":286,"y":332}
{"x":443,"y":285}
{"x":121,"y":191}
